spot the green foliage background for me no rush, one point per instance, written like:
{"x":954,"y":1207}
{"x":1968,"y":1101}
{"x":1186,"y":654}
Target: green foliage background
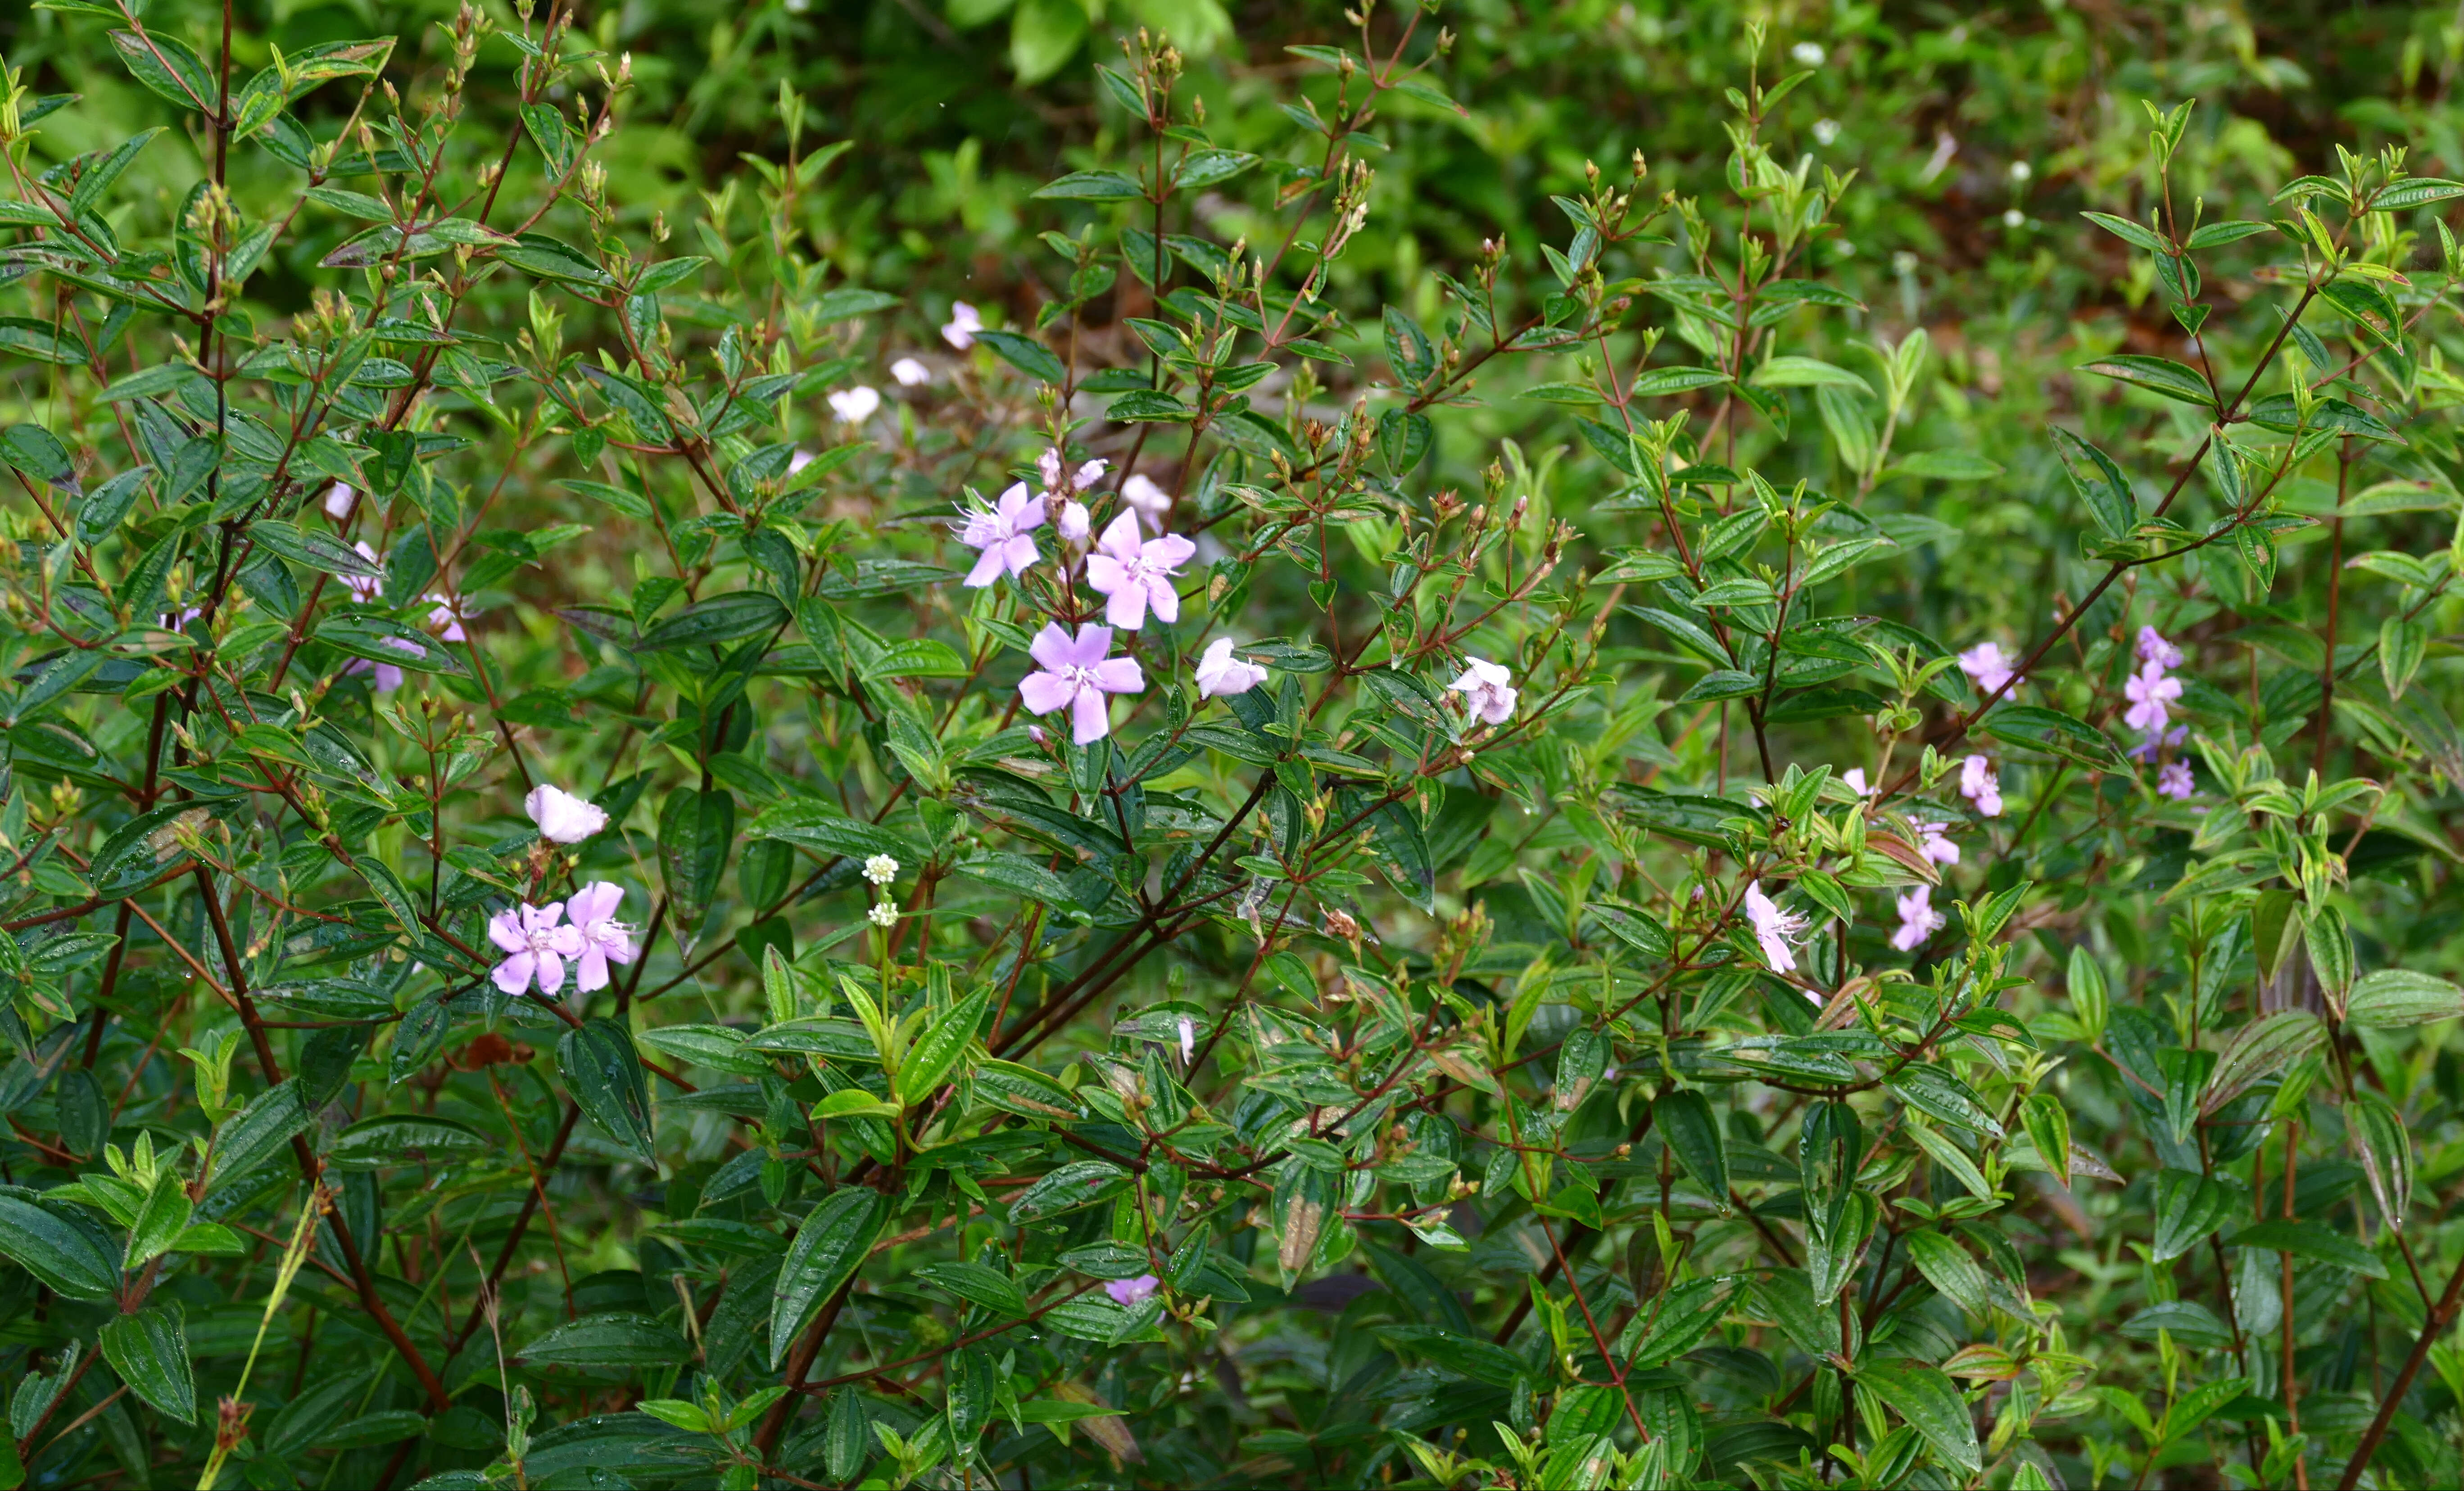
{"x":1421,"y":1084}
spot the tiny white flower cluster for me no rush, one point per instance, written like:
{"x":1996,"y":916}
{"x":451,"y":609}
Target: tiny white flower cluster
{"x":881,"y":870}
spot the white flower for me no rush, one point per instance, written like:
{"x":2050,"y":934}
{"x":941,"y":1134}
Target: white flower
{"x":1825,"y":131}
{"x":1808,"y":53}
{"x":1772,"y":928}
{"x":854,"y":406}
{"x":1188,"y":1040}
{"x":1487,"y":687}
{"x":601,"y":938}
{"x":882,"y":915}
{"x":562,"y":817}
{"x":2014,"y":218}
{"x":340,"y":499}
{"x":1979,"y":785}
{"x":963,"y":324}
{"x":1150,"y":501}
{"x":799,"y":461}
{"x":2021,"y":171}
{"x":1219,"y":672}
{"x":911,"y":373}
{"x":881,"y":870}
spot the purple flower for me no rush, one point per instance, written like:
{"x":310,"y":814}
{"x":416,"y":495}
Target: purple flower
{"x":1772,"y":928}
{"x":1150,"y":501}
{"x":535,"y":945}
{"x":603,"y":940}
{"x":963,"y":324}
{"x":1219,"y":672}
{"x":2149,"y":690}
{"x":1917,"y":919}
{"x":1007,"y":536}
{"x":1136,"y":575}
{"x":340,"y":499}
{"x":1934,"y":843}
{"x":2173,"y":779}
{"x":1132,"y":1291}
{"x":1985,"y":664}
{"x":1077,"y":674}
{"x":2154,"y":648}
{"x":445,"y":616}
{"x":1978,"y":785}
{"x":365,"y":589}
{"x":1056,"y":484}
{"x":1487,"y":687}
{"x":2145,"y":750}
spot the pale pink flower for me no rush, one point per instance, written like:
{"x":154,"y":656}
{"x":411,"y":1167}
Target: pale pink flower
{"x":963,"y":324}
{"x":1917,"y":919}
{"x":1985,"y":664}
{"x":535,"y":947}
{"x":562,"y":817}
{"x":445,"y":616}
{"x":366,"y":589}
{"x":2154,"y":648}
{"x":1132,"y":1291}
{"x":1854,"y":778}
{"x":2173,"y":779}
{"x":2149,"y":690}
{"x":854,"y":406}
{"x":1005,"y":536}
{"x":799,"y":461}
{"x":1149,"y":500}
{"x":1078,"y":673}
{"x":1136,"y":575}
{"x":1978,"y":785}
{"x":1219,"y":672}
{"x":911,"y":373}
{"x":1048,"y":464}
{"x":340,"y":499}
{"x":1934,"y":843}
{"x":1487,"y":687}
{"x":1772,"y":928}
{"x":603,"y":940}
{"x":1188,"y":1040}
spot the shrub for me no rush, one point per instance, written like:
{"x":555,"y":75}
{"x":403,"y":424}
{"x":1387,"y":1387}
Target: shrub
{"x":658,"y":905}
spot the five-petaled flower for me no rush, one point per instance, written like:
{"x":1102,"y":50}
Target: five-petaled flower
{"x":1985,"y":664}
{"x":1917,"y":919}
{"x":562,"y":817}
{"x":1005,"y":536}
{"x":1487,"y":689}
{"x":2174,"y":780}
{"x":534,"y":946}
{"x":1978,"y":785}
{"x":1132,"y":1291}
{"x":961,"y":330}
{"x":1136,"y":575}
{"x":1077,"y":674}
{"x":2149,"y":690}
{"x":2154,"y":648}
{"x":1219,"y":672}
{"x":600,"y":940}
{"x":1772,"y":928}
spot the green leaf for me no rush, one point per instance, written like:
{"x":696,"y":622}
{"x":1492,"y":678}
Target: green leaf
{"x":1026,"y":354}
{"x":2311,"y":1241}
{"x":1079,"y":1183}
{"x":696,"y":831}
{"x":833,"y":1240}
{"x":2188,"y":1206}
{"x":169,"y":67}
{"x":2157,"y":375}
{"x":58,"y":1253}
{"x":1933,"y":1090}
{"x":605,"y":1074}
{"x":616,"y":1339}
{"x":2384,"y":1144}
{"x":149,"y":1350}
{"x":1931,"y":1404}
{"x":978,"y":1284}
{"x":395,"y":1139}
{"x":256,"y":1132}
{"x":1951,"y":1270}
{"x":1803,"y":372}
{"x":2396,"y":997}
{"x":930,"y":1061}
{"x":2259,"y":1050}
{"x":2048,"y":1123}
{"x":161,"y":1221}
{"x":717,"y":619}
{"x":1691,"y":1131}
{"x":2055,"y":733}
{"x":2099,"y":482}
{"x":1680,"y":1318}
{"x":1090,"y":187}
{"x":2136,"y":235}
